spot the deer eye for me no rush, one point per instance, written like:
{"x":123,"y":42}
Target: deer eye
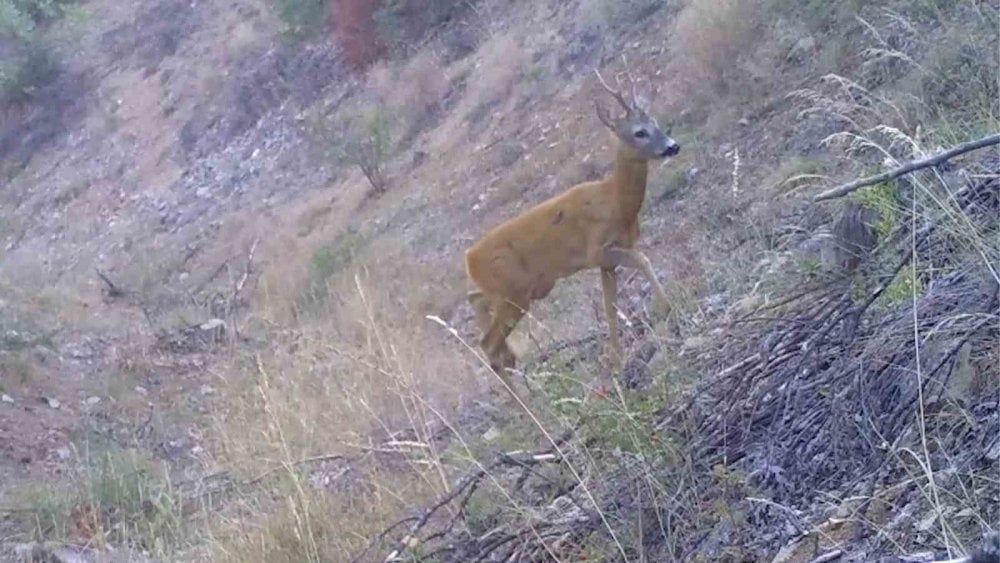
{"x":641,"y":134}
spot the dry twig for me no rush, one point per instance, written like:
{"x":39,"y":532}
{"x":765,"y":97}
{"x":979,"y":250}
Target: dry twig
{"x":911,"y":166}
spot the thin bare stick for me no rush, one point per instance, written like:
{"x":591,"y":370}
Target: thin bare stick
{"x":113,"y":289}
{"x":911,"y":166}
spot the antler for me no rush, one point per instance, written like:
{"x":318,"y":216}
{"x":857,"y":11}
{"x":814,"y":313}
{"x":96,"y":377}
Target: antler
{"x":637,"y":102}
{"x":615,"y":93}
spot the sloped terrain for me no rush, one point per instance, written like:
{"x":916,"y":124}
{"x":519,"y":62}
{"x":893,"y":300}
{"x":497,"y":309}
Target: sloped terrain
{"x":226,"y":339}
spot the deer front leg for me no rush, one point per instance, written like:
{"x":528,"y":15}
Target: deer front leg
{"x":481,"y":308}
{"x":494,"y":344}
{"x":631,"y":258}
{"x":609,"y":285}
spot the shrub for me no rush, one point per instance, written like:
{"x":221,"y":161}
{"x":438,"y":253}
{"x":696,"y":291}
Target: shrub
{"x":368,"y":145}
{"x":714,"y":41}
{"x":596,"y":16}
{"x":15,"y":22}
{"x":34,"y":69}
{"x":31,"y":62}
{"x":413,"y":107}
{"x":402,"y":23}
{"x":302,"y":18}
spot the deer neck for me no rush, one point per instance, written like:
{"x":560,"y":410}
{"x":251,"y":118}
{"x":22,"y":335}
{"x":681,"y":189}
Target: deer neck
{"x":629,"y":182}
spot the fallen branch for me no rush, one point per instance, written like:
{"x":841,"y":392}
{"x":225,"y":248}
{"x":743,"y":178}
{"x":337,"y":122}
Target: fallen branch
{"x":462,"y":491}
{"x":911,"y":166}
{"x":113,"y":290}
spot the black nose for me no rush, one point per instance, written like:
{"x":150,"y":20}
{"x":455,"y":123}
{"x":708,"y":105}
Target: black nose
{"x":671,"y":150}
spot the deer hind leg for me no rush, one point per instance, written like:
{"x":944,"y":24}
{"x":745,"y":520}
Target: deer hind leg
{"x":609,"y":285}
{"x":631,"y":258}
{"x":494,"y":344}
{"x":481,"y":307}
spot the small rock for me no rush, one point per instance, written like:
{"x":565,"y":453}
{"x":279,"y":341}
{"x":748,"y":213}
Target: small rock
{"x":207,"y":390}
{"x":927,"y":523}
{"x":744,"y":122}
{"x":25,"y":551}
{"x":64,"y":453}
{"x":212,"y":324}
{"x":183,"y":276}
{"x":93,"y":400}
{"x":7,"y":398}
{"x":141,"y":390}
{"x":492,"y":434}
{"x":802,"y":48}
{"x":53,"y":403}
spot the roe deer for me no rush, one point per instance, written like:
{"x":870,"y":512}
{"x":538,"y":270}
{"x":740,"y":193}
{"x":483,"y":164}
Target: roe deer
{"x":591,"y":225}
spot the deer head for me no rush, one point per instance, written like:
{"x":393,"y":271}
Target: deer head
{"x":635,"y":128}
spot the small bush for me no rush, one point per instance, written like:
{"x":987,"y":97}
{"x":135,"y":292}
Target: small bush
{"x":368,"y":146}
{"x":714,"y":42}
{"x":327,"y":261}
{"x":595,"y":16}
{"x":36,"y":68}
{"x":303,"y":18}
{"x":415,"y":106}
{"x":32,"y":63}
{"x":15,"y":22}
{"x":402,"y":23}
{"x":502,"y":63}
{"x":362,"y":135}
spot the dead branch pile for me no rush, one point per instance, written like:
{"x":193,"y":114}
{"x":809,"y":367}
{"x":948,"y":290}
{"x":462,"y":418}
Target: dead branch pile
{"x":835,"y":393}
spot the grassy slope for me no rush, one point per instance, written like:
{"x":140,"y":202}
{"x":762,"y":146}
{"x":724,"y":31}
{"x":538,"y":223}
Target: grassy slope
{"x":341,"y":352}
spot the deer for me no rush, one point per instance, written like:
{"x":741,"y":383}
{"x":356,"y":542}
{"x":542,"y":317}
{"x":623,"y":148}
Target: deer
{"x":592,"y":225}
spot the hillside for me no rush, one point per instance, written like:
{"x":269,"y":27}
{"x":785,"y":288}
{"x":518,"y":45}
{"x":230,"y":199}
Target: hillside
{"x":233,"y":318}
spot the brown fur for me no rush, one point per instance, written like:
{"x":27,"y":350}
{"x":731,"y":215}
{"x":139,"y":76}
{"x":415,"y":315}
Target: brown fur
{"x":593,"y":225}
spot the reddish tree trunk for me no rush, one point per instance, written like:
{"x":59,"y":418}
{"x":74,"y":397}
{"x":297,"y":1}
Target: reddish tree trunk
{"x":354,"y":30}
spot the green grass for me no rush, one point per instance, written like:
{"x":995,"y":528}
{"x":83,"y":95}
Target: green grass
{"x":883,"y":199}
{"x":329,"y":261}
{"x":123,"y":486}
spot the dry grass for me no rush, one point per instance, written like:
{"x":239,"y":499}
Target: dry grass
{"x":598,"y":16}
{"x":501,"y":63}
{"x":721,"y":51}
{"x":364,"y":368}
{"x":345,"y":360}
{"x":416,"y":105}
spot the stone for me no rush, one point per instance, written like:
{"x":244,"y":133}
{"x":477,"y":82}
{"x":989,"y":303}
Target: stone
{"x":212,"y":324}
